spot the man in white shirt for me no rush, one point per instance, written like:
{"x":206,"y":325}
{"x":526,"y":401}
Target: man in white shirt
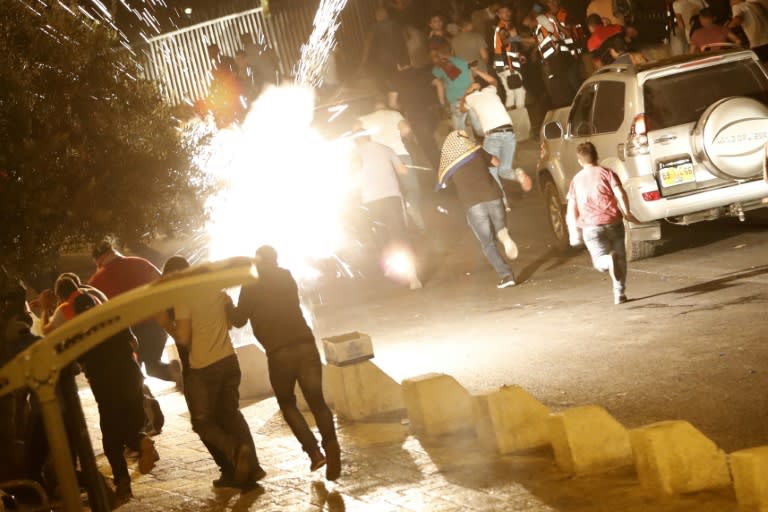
{"x":495,"y":122}
{"x":752,"y":17}
{"x":684,"y":11}
{"x":380,"y":194}
{"x":200,"y":328}
{"x":389,"y":127}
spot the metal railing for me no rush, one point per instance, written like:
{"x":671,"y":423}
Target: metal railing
{"x":178,"y":61}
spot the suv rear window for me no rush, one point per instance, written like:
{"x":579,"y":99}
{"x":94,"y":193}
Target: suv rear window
{"x":682,"y":98}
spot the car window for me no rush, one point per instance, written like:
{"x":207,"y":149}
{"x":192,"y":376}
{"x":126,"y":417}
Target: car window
{"x":609,"y":107}
{"x":580,"y":122}
{"x":683,"y":97}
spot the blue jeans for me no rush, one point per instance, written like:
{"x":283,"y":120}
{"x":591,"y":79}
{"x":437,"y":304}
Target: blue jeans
{"x":485,"y":220}
{"x":600,"y":242}
{"x":502,"y":145}
{"x":458,"y":118}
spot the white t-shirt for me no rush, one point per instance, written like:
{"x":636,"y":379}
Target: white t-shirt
{"x":488,"y":107}
{"x":384,"y":127}
{"x":210,"y":329}
{"x":378,"y":176}
{"x":687,"y":9}
{"x":754,"y":23}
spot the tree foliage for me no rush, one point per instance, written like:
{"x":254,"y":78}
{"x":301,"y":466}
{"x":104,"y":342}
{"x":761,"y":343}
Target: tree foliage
{"x":87,"y":148}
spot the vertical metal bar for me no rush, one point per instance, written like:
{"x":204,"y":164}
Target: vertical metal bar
{"x":63,"y":464}
{"x":94,"y":482}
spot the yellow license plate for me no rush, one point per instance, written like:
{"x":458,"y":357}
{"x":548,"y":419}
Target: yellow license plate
{"x":677,"y":175}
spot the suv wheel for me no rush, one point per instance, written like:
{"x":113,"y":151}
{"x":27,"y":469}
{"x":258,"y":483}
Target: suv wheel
{"x":638,"y":249}
{"x":556,"y":214}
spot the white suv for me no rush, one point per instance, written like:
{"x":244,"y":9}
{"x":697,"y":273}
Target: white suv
{"x":686,"y":135}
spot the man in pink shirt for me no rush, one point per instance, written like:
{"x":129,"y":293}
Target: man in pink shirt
{"x":597,"y":207}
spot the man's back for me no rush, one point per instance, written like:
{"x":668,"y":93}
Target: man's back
{"x":592,"y":190}
{"x":122,"y":274}
{"x":384,"y":127}
{"x":210,"y":341}
{"x":272,"y":306}
{"x":378,"y":178}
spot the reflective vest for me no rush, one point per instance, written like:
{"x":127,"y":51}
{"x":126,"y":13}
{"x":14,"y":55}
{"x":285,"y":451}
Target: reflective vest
{"x":506,"y":55}
{"x":557,"y":41}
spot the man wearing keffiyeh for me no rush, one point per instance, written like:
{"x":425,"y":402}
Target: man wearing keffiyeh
{"x":464,"y":163}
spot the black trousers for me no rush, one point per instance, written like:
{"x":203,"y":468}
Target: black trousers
{"x":301,"y":363}
{"x":152,"y":338}
{"x":213,"y":398}
{"x":120,"y":398}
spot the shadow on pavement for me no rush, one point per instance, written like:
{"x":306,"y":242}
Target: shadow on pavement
{"x":552,"y":256}
{"x":727,"y":281}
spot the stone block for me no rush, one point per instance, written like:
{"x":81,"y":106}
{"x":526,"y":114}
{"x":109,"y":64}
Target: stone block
{"x":509,"y":420}
{"x":362,"y":390}
{"x":254,"y":382}
{"x":673,"y":457}
{"x":522,"y":123}
{"x":347,"y":348}
{"x":750,"y":478}
{"x":587,"y":439}
{"x":437,"y":405}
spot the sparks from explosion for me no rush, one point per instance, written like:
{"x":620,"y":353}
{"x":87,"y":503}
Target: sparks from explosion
{"x":280,"y":182}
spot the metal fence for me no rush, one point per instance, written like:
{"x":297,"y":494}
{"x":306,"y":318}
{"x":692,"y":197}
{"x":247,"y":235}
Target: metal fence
{"x":178,"y":61}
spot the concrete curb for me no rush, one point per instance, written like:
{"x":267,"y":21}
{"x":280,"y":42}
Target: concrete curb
{"x":510,"y":420}
{"x":587,"y":440}
{"x":750,"y":477}
{"x":362,"y":390}
{"x":437,"y":405}
{"x":673,"y":457}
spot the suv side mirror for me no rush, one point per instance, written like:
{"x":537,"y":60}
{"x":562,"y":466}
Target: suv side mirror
{"x":553,"y":130}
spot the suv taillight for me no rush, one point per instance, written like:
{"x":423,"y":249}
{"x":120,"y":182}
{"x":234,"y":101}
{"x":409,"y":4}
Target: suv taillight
{"x":637,"y":142}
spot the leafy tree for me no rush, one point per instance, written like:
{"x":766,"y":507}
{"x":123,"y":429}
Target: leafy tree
{"x":87,"y":148}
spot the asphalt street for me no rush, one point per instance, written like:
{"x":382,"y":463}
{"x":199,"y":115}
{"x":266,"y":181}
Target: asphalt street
{"x":689,"y":344}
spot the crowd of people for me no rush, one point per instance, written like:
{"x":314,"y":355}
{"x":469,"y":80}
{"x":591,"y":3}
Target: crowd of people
{"x":208,"y":372}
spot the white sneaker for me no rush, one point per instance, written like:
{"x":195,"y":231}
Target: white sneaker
{"x":510,"y":247}
{"x":525,"y":181}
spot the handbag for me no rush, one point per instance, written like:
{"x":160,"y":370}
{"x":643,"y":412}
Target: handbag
{"x":514,"y":80}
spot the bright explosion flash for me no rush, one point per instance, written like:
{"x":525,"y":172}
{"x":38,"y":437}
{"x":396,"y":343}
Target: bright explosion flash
{"x":280,"y":184}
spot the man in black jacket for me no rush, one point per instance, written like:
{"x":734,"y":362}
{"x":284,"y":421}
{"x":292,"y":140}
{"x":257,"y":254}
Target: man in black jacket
{"x":272,"y":306}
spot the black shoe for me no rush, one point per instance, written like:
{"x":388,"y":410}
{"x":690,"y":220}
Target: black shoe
{"x":506,"y":282}
{"x":253,"y":481}
{"x":333,"y":460}
{"x":123,"y":492}
{"x":225,"y":481}
{"x":316,"y":460}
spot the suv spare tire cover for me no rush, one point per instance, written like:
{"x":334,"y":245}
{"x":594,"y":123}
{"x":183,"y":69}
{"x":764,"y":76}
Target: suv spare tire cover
{"x":730,"y":136}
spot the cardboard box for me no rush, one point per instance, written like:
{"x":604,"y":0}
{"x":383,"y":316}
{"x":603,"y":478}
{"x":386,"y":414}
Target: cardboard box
{"x":347,"y":348}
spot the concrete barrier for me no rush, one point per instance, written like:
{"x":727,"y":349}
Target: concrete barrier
{"x":588,"y":439}
{"x":362,"y":390}
{"x":510,"y":420}
{"x":522,"y":123}
{"x":750,"y":478}
{"x":437,"y":405}
{"x":673,"y":457}
{"x":254,"y":382}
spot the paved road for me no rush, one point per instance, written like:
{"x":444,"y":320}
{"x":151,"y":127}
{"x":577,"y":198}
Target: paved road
{"x":690,"y":344}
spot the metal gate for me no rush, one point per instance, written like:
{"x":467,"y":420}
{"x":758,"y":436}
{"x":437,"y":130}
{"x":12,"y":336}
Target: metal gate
{"x":178,"y":61}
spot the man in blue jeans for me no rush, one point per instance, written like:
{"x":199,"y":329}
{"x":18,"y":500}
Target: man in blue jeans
{"x":597,"y":207}
{"x":482,"y":99}
{"x":465,"y":164}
